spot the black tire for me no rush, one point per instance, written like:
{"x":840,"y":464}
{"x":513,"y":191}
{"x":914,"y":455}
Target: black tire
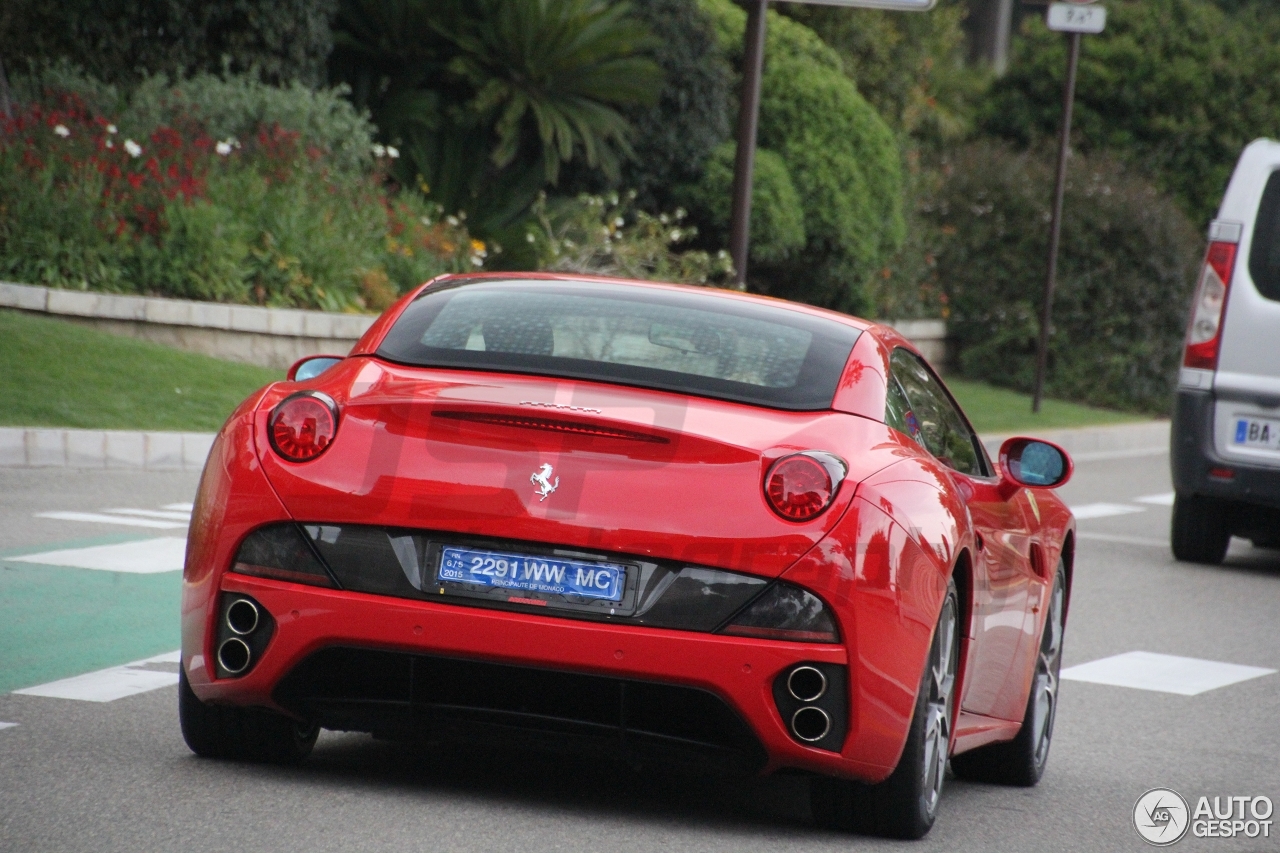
{"x":1199,"y":532}
{"x":1022,"y":760}
{"x":906,"y":804}
{"x":247,"y":734}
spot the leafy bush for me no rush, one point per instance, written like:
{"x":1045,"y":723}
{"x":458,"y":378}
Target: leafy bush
{"x":122,"y":40}
{"x":842,"y":159}
{"x":1176,"y":87}
{"x":777,"y":215}
{"x":1128,"y":263}
{"x":265,"y":220}
{"x":673,"y":138}
{"x":605,"y":235}
{"x":911,"y":68}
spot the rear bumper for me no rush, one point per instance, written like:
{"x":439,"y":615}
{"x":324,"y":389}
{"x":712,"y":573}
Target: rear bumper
{"x":736,"y":673}
{"x":1192,"y":456}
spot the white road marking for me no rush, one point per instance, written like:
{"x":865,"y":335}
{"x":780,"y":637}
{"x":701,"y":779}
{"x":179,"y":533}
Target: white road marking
{"x":146,"y":557}
{"x":7,"y":725}
{"x":108,"y":685}
{"x":1102,"y":510}
{"x":1124,"y":540}
{"x":112,"y":519}
{"x":1163,"y":673}
{"x":187,"y":508}
{"x":1165,"y":499}
{"x":153,"y":513}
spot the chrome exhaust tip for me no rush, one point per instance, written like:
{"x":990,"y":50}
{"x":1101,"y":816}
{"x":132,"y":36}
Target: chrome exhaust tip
{"x":810,"y":724}
{"x":807,"y":683}
{"x":242,"y":616}
{"x":234,"y":655}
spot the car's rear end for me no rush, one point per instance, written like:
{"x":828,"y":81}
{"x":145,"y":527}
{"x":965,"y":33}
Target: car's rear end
{"x":507,"y":516}
{"x":1225,"y":444}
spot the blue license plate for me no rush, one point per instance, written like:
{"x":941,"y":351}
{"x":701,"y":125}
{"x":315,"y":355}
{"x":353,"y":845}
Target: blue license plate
{"x":524,"y":573}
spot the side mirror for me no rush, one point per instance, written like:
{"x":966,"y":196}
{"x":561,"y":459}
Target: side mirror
{"x":311,"y":367}
{"x":1035,"y":463}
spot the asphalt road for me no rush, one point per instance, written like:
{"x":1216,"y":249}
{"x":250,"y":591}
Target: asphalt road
{"x":105,"y":776}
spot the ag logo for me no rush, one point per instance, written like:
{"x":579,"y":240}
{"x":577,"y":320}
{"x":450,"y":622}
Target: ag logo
{"x":1161,"y":817}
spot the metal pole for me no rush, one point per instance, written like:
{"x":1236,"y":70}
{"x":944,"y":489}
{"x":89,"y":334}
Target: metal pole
{"x":745,"y":159}
{"x":1055,"y":229}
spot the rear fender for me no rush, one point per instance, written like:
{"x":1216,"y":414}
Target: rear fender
{"x":233,"y":498}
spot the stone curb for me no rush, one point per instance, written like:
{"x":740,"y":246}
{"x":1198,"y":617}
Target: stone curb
{"x":37,"y":447}
{"x":252,"y":319}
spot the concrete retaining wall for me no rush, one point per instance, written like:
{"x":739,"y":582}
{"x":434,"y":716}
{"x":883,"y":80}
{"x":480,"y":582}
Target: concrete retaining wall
{"x":270,"y":337}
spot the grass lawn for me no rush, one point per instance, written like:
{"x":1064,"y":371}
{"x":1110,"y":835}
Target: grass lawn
{"x":56,"y":373}
{"x":997,"y":410}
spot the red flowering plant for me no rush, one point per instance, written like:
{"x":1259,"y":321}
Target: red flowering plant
{"x":173,"y":211}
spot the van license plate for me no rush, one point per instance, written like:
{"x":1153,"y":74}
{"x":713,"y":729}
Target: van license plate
{"x":1261,"y":433}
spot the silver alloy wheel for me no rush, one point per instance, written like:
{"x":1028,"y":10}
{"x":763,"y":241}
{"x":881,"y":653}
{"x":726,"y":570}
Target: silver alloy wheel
{"x":1047,"y":666}
{"x":940,"y":708}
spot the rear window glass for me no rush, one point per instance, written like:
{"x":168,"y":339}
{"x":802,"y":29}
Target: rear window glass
{"x":1264,"y":256}
{"x":687,"y":341}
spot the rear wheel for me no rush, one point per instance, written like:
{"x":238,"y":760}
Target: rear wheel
{"x":250,"y":734}
{"x":905,"y":804}
{"x":1022,"y":760}
{"x":1199,"y":532}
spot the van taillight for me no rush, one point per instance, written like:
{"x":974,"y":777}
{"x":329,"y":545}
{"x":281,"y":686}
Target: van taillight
{"x":1204,"y":336}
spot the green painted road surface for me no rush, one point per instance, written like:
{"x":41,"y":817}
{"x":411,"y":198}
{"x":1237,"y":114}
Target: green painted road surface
{"x":57,"y":622}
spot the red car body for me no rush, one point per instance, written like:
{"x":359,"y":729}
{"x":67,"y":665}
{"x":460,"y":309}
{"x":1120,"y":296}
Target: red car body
{"x":899,"y":528}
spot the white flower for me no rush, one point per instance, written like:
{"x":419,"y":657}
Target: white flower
{"x":134,"y":149}
{"x":378,"y":150}
{"x":676,"y":235}
{"x":223,"y":148}
{"x":425,"y":221}
{"x":111,"y":128}
{"x":62,"y":131}
{"x":529,"y":238}
{"x":452,"y":220}
{"x":618,"y":222}
{"x":393,"y":152}
{"x":110,"y":144}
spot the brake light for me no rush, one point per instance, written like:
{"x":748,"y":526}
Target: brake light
{"x":303,"y":426}
{"x":1204,"y":334}
{"x":799,"y":487}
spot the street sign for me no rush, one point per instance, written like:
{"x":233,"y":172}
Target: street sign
{"x":1075,"y":18}
{"x":898,"y":5}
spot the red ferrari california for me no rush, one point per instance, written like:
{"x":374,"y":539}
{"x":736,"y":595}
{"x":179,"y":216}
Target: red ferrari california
{"x":643,"y":519}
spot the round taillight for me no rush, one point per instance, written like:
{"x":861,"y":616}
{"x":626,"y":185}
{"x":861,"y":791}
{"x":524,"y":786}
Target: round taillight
{"x":303,"y":426}
{"x":799,"y":487}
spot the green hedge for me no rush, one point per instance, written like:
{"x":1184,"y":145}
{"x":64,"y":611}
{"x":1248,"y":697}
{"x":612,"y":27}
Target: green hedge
{"x":1128,"y":263}
{"x":840,"y":155}
{"x":1176,"y":87}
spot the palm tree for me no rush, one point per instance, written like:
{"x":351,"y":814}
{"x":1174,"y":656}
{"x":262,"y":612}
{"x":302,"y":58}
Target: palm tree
{"x":489,"y":98}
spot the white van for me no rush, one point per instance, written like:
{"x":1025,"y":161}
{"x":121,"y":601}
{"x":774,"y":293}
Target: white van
{"x":1225,"y":443}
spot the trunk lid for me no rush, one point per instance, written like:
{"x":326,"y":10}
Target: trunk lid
{"x":568,"y":462}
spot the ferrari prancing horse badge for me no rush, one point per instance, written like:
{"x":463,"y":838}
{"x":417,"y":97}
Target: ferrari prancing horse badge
{"x":542,"y":479}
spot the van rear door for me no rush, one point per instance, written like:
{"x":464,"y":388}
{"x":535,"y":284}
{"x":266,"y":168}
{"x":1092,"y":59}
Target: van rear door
{"x":1247,"y":381}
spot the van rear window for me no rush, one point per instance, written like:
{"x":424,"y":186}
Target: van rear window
{"x":693,"y":342}
{"x":1264,"y":256}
